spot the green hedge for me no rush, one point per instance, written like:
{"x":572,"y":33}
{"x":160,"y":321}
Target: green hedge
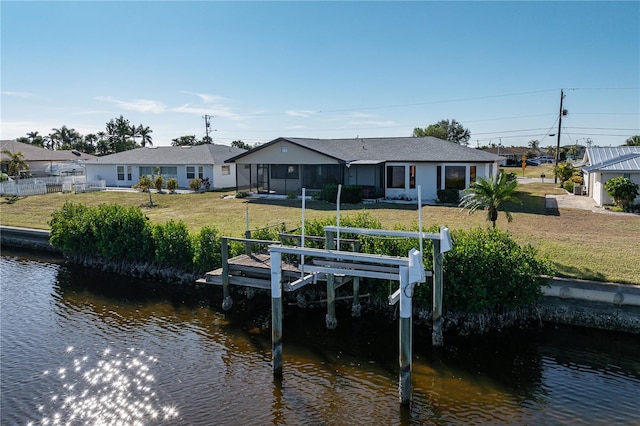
{"x":448,"y":196}
{"x":114,"y":232}
{"x":486,"y":270}
{"x":350,"y":194}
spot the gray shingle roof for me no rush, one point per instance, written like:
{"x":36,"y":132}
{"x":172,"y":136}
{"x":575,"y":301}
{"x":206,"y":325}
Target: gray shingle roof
{"x":613,"y":159}
{"x":36,"y":153}
{"x":402,"y":149}
{"x":172,"y":155}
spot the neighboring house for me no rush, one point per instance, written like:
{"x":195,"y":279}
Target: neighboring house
{"x":393,"y":168}
{"x":603,"y":163}
{"x":46,"y":162}
{"x":512,"y":155}
{"x":123,"y":169}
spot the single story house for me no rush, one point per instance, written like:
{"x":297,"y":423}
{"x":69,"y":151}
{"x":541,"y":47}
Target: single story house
{"x":392,"y":167}
{"x":603,"y":163}
{"x":46,"y":162}
{"x":512,"y":155}
{"x":124,"y":169}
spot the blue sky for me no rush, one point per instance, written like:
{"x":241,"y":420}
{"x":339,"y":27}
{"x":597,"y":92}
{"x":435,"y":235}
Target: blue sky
{"x":323,"y":69}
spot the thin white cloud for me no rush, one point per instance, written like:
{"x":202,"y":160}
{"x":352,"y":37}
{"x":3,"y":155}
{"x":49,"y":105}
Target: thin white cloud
{"x":140,"y":105}
{"x":300,"y":113}
{"x":207,"y":98}
{"x":214,"y":110}
{"x":295,"y":127}
{"x":22,"y":95}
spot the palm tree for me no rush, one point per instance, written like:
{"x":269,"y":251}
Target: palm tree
{"x":144,"y":133}
{"x":15,"y":162}
{"x":133,"y":132}
{"x":490,"y":194}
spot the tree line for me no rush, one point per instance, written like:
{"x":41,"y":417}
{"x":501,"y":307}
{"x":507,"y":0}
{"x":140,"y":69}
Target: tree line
{"x":119,"y":135}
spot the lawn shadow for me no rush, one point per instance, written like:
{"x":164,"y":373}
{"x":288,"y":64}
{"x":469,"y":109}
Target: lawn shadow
{"x":568,"y":271}
{"x":12,"y":199}
{"x":534,"y":203}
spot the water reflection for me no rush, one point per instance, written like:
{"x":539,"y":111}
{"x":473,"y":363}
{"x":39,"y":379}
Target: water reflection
{"x":84,"y":347}
{"x":110,"y":388}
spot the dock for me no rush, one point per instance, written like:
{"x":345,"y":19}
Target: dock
{"x":254,"y":270}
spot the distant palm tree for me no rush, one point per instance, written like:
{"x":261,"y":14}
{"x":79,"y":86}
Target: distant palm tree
{"x":15,"y":162}
{"x":490,"y":194}
{"x":144,"y":133}
{"x":134,"y":133}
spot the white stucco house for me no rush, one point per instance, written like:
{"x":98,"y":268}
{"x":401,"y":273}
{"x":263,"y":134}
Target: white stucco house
{"x":123,"y":169}
{"x":46,"y":162}
{"x":392,"y":167}
{"x":603,"y":163}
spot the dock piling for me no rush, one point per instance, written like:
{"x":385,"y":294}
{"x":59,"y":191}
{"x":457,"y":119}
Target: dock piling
{"x":437,"y":339}
{"x":330,"y":320}
{"x":406,"y":332}
{"x":227,"y":301}
{"x":276,"y":313}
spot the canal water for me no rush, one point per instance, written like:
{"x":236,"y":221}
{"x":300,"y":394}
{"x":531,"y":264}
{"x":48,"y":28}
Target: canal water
{"x":79,"y":347}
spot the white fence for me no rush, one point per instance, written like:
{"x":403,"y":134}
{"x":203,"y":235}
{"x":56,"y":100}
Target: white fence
{"x":44,"y":185}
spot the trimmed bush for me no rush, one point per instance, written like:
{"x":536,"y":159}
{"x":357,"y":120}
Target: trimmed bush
{"x":206,"y":249}
{"x":173,"y":245}
{"x":109,"y":231}
{"x":195,"y":184}
{"x":486,"y":270}
{"x":158,"y":183}
{"x":448,"y":196}
{"x":172,"y":184}
{"x":568,"y":185}
{"x":623,"y":191}
{"x":350,"y":194}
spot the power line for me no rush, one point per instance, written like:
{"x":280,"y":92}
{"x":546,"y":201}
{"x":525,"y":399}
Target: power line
{"x":602,"y":128}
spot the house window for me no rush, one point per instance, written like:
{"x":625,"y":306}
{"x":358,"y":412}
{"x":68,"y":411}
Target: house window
{"x":191,"y":172}
{"x":439,"y":178}
{"x":226,"y":170}
{"x":454,"y":177}
{"x":283,"y":149}
{"x":395,"y":176}
{"x":129,"y":177}
{"x":167,"y":172}
{"x":284,"y":171}
{"x":472,"y":174}
{"x":627,"y":175}
{"x":412,"y":176}
{"x":201,"y":172}
{"x":120,"y":170}
{"x":317,"y":175}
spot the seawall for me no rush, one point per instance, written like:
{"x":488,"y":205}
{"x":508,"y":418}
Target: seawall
{"x":602,"y":305}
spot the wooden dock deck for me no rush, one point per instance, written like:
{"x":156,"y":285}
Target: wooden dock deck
{"x":254,"y":270}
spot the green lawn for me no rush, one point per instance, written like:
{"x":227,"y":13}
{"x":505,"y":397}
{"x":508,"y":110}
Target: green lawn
{"x":581,"y":243}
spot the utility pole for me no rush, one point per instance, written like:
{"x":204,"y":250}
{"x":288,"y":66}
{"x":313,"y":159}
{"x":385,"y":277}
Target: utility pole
{"x":207,"y":124}
{"x":562,"y":112}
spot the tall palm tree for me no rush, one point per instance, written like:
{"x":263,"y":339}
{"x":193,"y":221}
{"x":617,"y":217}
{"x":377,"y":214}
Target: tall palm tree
{"x":144,"y":133}
{"x":15,"y":162}
{"x":134,"y":133}
{"x":490,"y":194}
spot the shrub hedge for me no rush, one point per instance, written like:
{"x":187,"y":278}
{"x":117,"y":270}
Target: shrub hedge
{"x":350,"y":194}
{"x":114,"y":232}
{"x":485,"y":271}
